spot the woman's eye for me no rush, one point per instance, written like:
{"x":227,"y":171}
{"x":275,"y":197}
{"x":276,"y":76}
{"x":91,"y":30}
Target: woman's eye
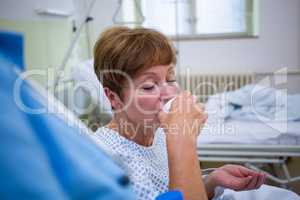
{"x":148,"y":87}
{"x":173,"y":81}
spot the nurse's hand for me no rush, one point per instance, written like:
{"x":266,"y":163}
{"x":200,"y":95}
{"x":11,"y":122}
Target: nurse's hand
{"x":234,"y":177}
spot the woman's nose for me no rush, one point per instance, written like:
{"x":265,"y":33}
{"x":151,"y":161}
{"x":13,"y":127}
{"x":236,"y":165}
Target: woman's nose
{"x":167,"y":92}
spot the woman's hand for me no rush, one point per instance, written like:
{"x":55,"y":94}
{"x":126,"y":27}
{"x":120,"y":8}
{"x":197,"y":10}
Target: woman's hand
{"x":234,"y":177}
{"x":185,"y":119}
{"x":182,"y":126}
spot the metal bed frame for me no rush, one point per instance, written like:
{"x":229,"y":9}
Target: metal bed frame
{"x":253,"y":156}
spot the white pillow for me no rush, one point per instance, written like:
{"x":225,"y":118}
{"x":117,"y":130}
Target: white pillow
{"x":89,"y":97}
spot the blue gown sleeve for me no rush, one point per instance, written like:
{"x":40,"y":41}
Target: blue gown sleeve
{"x":41,"y":157}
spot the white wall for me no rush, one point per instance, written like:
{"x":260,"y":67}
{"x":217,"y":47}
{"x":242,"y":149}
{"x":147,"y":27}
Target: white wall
{"x":46,"y":38}
{"x":102,"y":13}
{"x":24,"y":9}
{"x":278,"y":44}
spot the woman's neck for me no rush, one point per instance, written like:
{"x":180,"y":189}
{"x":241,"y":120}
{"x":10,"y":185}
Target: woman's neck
{"x":134,"y":132}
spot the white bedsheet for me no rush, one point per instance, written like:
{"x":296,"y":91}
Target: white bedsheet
{"x":265,"y":192}
{"x":256,"y":102}
{"x":218,"y":131}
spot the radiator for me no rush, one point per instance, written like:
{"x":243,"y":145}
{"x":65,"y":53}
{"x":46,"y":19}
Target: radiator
{"x":204,"y":85}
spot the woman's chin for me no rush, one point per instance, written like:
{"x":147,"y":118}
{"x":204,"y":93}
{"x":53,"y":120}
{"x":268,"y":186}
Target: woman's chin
{"x":154,"y":121}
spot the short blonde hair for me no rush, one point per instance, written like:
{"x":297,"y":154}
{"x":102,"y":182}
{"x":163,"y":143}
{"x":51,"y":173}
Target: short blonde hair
{"x":130,"y":51}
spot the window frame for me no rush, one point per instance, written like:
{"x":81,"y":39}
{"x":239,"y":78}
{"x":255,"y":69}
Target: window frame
{"x":252,"y":21}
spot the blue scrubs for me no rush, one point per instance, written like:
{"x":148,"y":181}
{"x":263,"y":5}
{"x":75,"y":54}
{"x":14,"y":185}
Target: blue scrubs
{"x":41,"y":157}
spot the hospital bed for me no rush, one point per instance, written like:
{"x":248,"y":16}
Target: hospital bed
{"x":243,"y":145}
{"x":253,"y":144}
{"x":258,"y":151}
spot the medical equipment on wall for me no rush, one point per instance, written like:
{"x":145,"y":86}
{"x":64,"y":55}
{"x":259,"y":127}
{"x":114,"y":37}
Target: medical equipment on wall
{"x":140,"y":17}
{"x":66,"y":57}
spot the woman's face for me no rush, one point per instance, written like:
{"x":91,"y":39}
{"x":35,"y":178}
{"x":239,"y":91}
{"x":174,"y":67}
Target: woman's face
{"x":152,"y":88}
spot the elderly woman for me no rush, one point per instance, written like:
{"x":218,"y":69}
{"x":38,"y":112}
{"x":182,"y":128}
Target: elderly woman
{"x":157,"y":149}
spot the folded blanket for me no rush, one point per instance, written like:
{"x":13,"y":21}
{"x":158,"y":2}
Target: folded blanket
{"x":255,"y":102}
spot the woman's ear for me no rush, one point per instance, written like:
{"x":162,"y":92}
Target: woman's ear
{"x":113,"y":98}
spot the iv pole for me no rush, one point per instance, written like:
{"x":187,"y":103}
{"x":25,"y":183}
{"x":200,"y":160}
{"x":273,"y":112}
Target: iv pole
{"x":72,"y":45}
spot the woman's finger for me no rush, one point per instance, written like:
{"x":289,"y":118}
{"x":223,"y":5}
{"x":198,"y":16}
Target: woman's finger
{"x":199,"y":107}
{"x":194,"y":98}
{"x":205,"y":117}
{"x":252,"y":183}
{"x":261,"y":180}
{"x":265,"y":178}
{"x":247,"y":172}
{"x":239,"y":184}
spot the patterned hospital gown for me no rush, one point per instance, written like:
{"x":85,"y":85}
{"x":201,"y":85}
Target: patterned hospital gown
{"x":147,"y":167}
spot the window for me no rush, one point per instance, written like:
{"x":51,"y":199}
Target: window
{"x":194,"y":18}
